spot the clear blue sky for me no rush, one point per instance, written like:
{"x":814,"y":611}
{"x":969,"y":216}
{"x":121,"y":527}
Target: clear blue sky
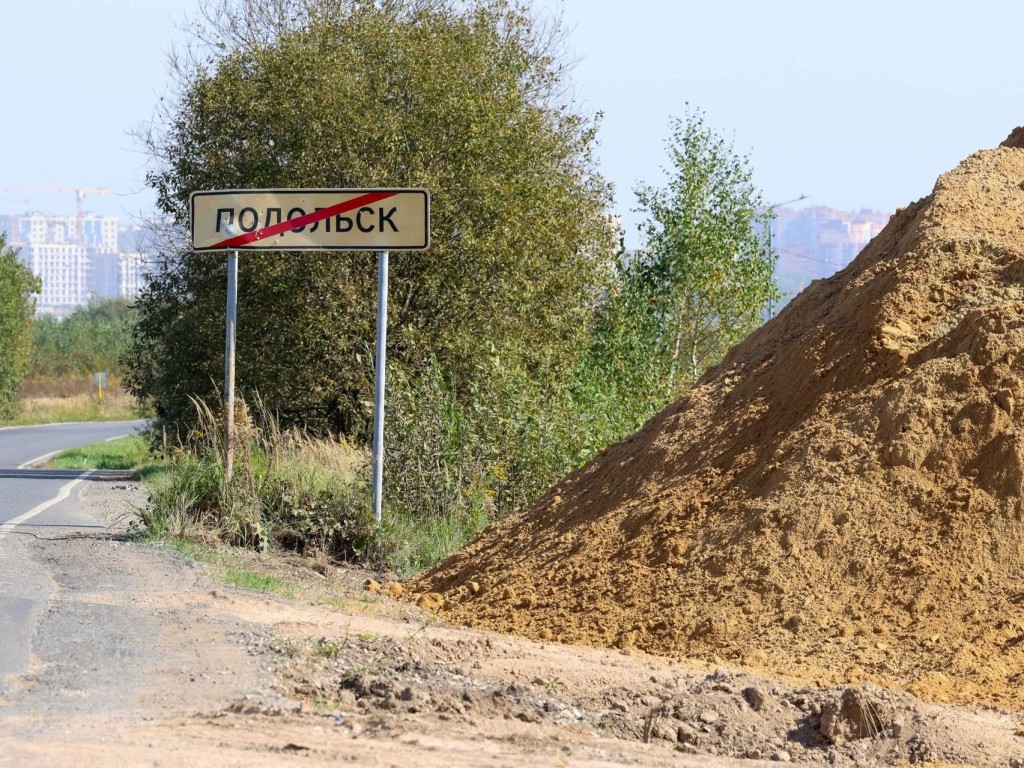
{"x":855,"y":104}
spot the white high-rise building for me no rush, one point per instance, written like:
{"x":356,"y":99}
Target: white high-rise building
{"x":63,"y":269}
{"x":77,"y":259}
{"x":134,"y":269}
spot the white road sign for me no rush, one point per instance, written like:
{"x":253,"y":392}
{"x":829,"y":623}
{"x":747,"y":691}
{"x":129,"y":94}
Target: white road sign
{"x":311,"y":220}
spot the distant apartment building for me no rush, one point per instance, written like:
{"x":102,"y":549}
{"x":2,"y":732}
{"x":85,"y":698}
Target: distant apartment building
{"x":133,"y":268}
{"x":815,"y":242}
{"x":78,"y":259}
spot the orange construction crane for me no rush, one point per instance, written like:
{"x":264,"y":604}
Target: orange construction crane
{"x":80,"y":194}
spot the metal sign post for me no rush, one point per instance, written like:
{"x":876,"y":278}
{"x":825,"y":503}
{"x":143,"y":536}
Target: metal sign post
{"x":99,"y":380}
{"x":229,"y":367}
{"x":379,"y":220}
{"x":378,"y":387}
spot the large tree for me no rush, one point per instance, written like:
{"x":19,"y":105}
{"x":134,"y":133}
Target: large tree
{"x":17,"y":306}
{"x":465,"y":99}
{"x":707,"y":273}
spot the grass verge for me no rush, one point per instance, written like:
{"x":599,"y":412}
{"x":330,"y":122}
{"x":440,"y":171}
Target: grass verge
{"x":125,"y":453}
{"x":229,"y":567}
{"x":133,"y":453}
{"x":289,"y":491}
{"x":295,"y":493}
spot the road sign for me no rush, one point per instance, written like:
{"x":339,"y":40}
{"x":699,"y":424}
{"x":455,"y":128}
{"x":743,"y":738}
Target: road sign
{"x":379,"y":220}
{"x":99,"y":380}
{"x":311,"y":220}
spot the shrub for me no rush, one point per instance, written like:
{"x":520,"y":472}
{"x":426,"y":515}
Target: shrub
{"x":287,"y":490}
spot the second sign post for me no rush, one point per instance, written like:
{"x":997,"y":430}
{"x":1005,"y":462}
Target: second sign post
{"x":379,"y":220}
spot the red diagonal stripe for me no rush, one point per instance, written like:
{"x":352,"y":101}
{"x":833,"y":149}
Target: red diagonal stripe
{"x":300,"y":221}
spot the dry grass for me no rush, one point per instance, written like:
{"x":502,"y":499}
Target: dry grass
{"x":287,"y":489}
{"x":117,"y":405}
{"x":72,"y":386}
{"x":47,"y":400}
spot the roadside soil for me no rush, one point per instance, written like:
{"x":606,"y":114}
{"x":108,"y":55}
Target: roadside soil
{"x":145,"y":658}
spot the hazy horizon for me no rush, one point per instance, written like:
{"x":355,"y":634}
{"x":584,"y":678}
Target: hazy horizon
{"x":855,"y":107}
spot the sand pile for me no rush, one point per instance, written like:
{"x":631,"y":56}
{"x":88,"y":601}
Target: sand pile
{"x":840,"y":500}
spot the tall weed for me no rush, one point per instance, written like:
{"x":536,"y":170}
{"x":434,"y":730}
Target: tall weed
{"x":287,"y":490}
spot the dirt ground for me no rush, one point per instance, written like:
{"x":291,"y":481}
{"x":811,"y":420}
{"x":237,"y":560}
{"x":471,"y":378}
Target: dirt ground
{"x":146,"y":658}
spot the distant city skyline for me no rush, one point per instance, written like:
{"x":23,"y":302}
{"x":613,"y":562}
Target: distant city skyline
{"x":815,"y":242}
{"x":78,"y":258}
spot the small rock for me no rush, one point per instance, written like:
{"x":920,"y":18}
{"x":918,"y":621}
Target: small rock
{"x":686,"y":734}
{"x":858,"y":714}
{"x":781,"y":756}
{"x":662,"y":729}
{"x":430,"y":601}
{"x":756,"y":698}
{"x":708,"y":716}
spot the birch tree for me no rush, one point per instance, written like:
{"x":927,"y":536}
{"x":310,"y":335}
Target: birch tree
{"x":706,"y":270}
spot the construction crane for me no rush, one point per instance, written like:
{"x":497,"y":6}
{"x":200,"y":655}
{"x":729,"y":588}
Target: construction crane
{"x":80,"y":195}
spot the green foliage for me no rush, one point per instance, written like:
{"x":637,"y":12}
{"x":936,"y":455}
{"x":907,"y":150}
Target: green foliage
{"x":439,"y":490}
{"x":90,"y":339}
{"x":229,"y":567}
{"x":519,"y":345}
{"x":130,"y":452}
{"x":707,"y":272}
{"x":17,"y":284}
{"x":621,"y":382}
{"x":287,"y":490}
{"x":326,"y":649}
{"x":246,"y":578}
{"x":463,"y":99}
{"x":453,"y":464}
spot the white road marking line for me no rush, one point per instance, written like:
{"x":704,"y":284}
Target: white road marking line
{"x":39,"y":459}
{"x":68,"y":424}
{"x":62,"y":494}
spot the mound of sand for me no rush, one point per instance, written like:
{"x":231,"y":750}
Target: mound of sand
{"x":839,"y":500}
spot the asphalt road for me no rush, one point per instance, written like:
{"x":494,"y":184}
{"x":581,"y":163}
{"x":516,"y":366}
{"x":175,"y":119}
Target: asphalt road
{"x":20,"y":445}
{"x":23,"y":489}
{"x":34,"y":501}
